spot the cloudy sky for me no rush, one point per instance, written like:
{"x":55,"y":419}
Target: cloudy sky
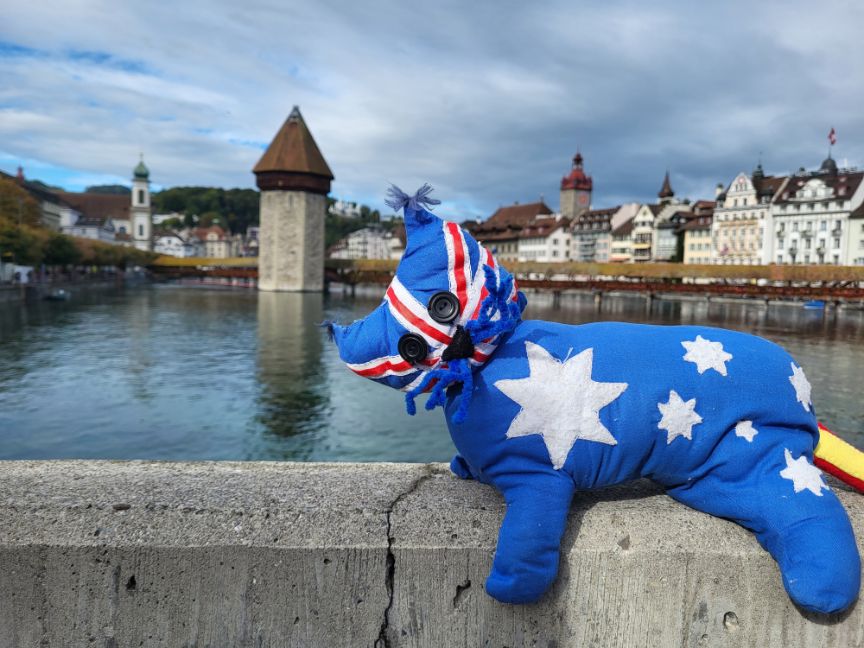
{"x":488,"y":101}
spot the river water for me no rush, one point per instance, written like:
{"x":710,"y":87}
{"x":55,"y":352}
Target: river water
{"x":183,"y":373}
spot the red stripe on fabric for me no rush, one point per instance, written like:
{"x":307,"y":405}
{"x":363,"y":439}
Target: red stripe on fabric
{"x":843,"y":476}
{"x":384,"y":367}
{"x":459,"y":263}
{"x":416,"y":321}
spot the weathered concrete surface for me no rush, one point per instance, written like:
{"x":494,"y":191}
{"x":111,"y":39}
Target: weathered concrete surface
{"x":291,"y":255}
{"x":271,"y":554}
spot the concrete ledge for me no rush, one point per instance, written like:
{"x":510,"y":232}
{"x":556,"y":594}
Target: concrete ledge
{"x":275,"y":554}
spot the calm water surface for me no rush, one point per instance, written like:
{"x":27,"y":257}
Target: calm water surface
{"x":170,"y":372}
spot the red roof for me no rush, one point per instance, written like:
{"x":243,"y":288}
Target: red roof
{"x":94,"y":206}
{"x":543,"y":227}
{"x":577,"y":178}
{"x":507,"y":222}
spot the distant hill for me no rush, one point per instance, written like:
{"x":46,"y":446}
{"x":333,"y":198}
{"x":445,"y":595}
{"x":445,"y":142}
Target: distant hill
{"x":109,"y":189}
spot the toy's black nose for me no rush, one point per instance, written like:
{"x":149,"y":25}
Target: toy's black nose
{"x":460,"y":346}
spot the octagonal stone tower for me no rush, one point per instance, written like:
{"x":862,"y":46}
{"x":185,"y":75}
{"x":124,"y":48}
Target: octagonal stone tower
{"x":294,"y":180}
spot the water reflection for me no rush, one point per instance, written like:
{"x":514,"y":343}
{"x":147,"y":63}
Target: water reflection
{"x":293,"y":397}
{"x":184,"y":373}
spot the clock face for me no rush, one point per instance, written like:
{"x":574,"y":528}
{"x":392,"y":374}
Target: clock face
{"x":583,"y":199}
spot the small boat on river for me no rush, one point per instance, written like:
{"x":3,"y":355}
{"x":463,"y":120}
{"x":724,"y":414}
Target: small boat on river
{"x":57,"y":295}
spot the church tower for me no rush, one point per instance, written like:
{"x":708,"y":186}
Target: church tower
{"x":666,"y":194}
{"x":139,"y":213}
{"x":576,"y":190}
{"x":294,"y":180}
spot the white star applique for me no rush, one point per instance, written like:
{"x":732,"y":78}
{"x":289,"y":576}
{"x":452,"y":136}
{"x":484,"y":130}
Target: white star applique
{"x":560,"y":401}
{"x":803,"y":474}
{"x":706,"y":355}
{"x":801,"y":384}
{"x":679,"y":417}
{"x":745,"y":430}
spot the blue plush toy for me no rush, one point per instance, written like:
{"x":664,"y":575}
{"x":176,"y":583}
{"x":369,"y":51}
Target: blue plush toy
{"x":722,"y":419}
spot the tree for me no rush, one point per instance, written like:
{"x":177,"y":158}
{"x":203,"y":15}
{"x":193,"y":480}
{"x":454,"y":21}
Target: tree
{"x":21,"y":242}
{"x":61,"y":250}
{"x":17,"y":205}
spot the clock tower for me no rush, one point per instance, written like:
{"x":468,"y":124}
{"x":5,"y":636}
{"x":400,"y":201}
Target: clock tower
{"x":576,"y":190}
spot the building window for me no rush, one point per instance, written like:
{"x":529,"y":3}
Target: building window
{"x":140,"y":230}
{"x":823,"y":226}
{"x":140,"y":196}
{"x":836,"y":242}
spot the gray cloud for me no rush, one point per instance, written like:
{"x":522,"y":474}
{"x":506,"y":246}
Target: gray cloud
{"x":488,"y":101}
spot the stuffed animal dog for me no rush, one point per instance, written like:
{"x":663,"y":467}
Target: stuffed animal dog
{"x":538,"y":410}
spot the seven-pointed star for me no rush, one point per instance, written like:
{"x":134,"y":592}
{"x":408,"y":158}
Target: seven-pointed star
{"x":802,"y":386}
{"x":803,"y":474}
{"x":679,"y":417}
{"x":560,"y":401}
{"x":706,"y":355}
{"x":746,"y":430}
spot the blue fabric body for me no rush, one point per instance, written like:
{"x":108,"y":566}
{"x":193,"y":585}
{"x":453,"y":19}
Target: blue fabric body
{"x":710,"y":466}
{"x":717,"y":471}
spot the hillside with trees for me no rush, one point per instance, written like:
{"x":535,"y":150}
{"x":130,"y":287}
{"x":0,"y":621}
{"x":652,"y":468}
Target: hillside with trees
{"x":25,"y":241}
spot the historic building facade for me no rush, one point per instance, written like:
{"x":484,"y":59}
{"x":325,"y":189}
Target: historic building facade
{"x":545,"y":239}
{"x":501,"y":231}
{"x":812,"y":216}
{"x":741,"y":224}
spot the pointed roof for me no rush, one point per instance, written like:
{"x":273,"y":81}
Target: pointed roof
{"x":293,"y":150}
{"x":666,"y":189}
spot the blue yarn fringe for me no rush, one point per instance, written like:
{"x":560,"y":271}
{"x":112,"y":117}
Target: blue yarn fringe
{"x":420,"y":200}
{"x":328,"y":324}
{"x":459,"y":370}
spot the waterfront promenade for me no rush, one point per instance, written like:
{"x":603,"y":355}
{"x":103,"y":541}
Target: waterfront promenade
{"x":306,"y":555}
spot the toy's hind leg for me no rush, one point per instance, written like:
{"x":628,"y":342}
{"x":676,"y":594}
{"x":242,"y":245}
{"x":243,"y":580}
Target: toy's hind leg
{"x":808,"y":534}
{"x":526,"y":560}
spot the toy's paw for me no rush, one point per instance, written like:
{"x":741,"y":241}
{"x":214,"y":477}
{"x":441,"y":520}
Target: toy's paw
{"x":819,"y":580}
{"x":460,"y":468}
{"x":518,"y":589}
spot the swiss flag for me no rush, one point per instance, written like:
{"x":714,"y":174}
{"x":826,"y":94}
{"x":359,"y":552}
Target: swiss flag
{"x":832,"y":137}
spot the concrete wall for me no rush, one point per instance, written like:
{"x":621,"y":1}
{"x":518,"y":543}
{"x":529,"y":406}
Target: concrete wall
{"x":114,"y":554}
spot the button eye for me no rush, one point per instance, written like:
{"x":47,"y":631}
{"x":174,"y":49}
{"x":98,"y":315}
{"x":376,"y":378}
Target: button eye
{"x":413,"y":348}
{"x":444,"y":307}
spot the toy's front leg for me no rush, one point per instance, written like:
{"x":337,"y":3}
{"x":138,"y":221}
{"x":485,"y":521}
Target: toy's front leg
{"x":526,"y":561}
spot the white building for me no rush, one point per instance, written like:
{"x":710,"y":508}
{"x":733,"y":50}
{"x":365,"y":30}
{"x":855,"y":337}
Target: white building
{"x":215,"y":242}
{"x":173,"y":244}
{"x":369,"y":243}
{"x":812,"y":217}
{"x":591,"y":235}
{"x":98,"y":229}
{"x":741,"y":228}
{"x":546,"y":239}
{"x":345,"y":209}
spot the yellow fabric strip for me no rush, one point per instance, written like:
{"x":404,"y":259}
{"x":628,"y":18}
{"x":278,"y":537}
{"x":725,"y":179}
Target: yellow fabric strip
{"x":836,"y":451}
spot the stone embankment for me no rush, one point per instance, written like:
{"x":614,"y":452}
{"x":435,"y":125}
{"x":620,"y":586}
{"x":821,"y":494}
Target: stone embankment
{"x":115,"y":554}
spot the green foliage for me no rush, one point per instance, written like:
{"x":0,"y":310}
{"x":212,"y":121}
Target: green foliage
{"x":21,"y":242}
{"x":235,"y":209}
{"x":109,"y":189}
{"x":61,"y":250}
{"x":17,"y":206}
